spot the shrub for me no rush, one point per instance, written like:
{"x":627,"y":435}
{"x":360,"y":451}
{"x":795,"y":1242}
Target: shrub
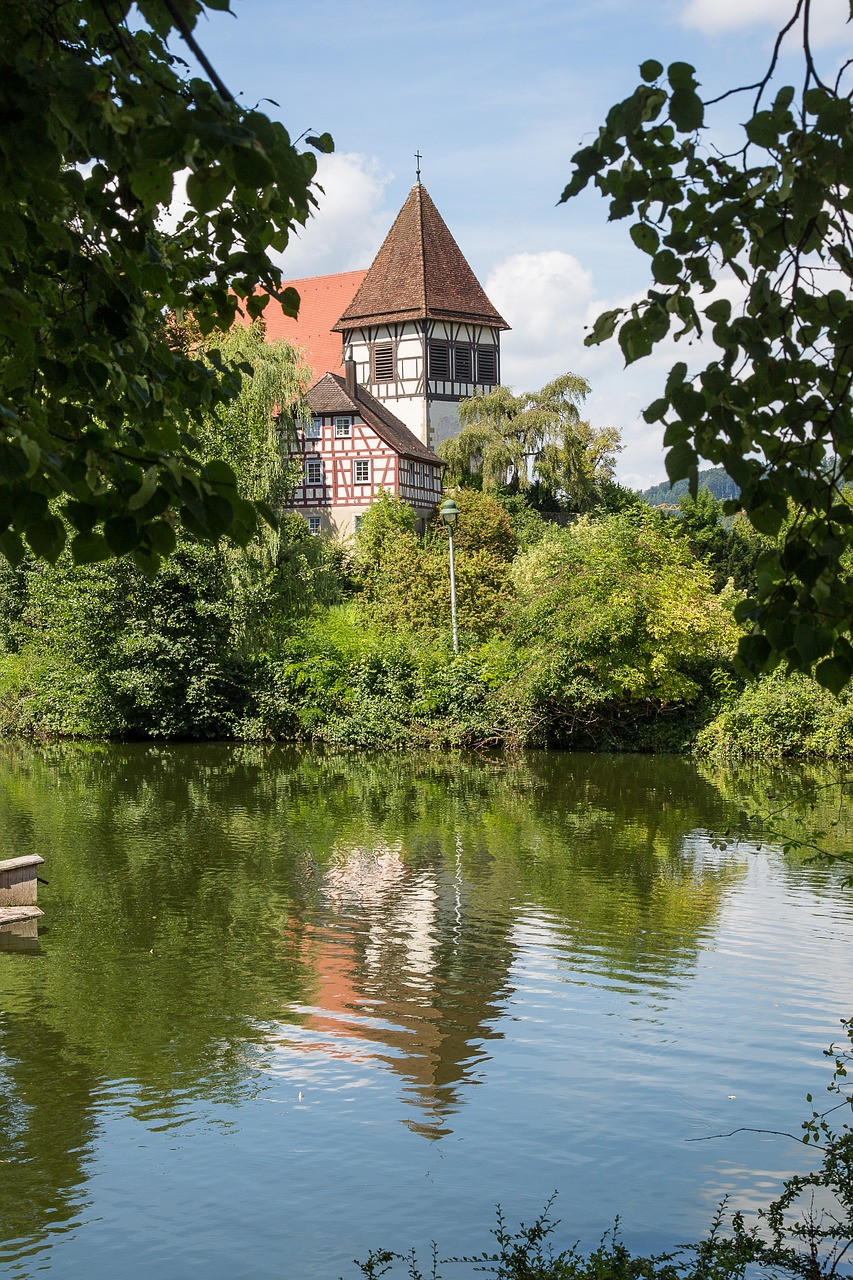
{"x":782,"y":715}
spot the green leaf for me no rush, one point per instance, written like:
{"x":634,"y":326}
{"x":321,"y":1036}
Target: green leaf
{"x":12,"y":547}
{"x":651,"y":69}
{"x":322,"y":142}
{"x":28,"y":508}
{"x":681,"y":75}
{"x":208,"y":189}
{"x":252,"y":167}
{"x":719,"y":312}
{"x":680,"y":461}
{"x":666,"y":267}
{"x":766,"y":519}
{"x":645,"y":237}
{"x":82,"y":515}
{"x":763,"y":129}
{"x":604,"y":327}
{"x":122,"y":534}
{"x":834,"y":673}
{"x":161,"y":537}
{"x":88,"y":548}
{"x":686,"y":110}
{"x":656,"y":410}
{"x":219,"y":473}
{"x":145,"y":491}
{"x":46,"y":538}
{"x":289,"y":300}
{"x":754,"y":651}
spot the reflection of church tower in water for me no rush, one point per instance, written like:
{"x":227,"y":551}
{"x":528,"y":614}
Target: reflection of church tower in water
{"x":399,"y":968}
{"x":420,"y":328}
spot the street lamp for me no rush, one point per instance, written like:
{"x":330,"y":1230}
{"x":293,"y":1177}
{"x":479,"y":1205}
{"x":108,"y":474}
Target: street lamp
{"x":449,"y":513}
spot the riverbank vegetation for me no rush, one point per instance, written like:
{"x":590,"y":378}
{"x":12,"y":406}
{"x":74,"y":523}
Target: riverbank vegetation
{"x":588,"y":619}
{"x":607,"y":630}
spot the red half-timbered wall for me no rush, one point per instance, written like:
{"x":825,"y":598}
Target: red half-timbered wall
{"x":342,"y":484}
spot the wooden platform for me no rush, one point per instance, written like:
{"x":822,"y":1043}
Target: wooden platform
{"x":11,"y":915}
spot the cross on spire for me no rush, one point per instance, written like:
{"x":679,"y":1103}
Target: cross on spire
{"x":418,"y":159}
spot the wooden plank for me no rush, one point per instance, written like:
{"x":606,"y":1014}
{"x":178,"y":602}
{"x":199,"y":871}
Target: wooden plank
{"x":18,"y":881}
{"x":11,"y":915}
{"x":11,"y":864}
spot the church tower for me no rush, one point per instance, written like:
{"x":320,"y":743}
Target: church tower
{"x":420,"y":329}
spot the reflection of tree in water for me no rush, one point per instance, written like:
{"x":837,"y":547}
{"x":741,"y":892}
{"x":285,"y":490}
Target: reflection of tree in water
{"x":793,"y":800}
{"x":196,"y":895}
{"x":47,"y":1128}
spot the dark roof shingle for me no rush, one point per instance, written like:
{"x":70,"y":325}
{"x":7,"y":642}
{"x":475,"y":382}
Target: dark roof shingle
{"x":330,"y":395}
{"x":419,"y":273}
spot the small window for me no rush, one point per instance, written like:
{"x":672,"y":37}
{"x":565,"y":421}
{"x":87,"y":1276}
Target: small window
{"x":357,"y":522}
{"x":361,"y":471}
{"x":462,"y":370}
{"x":487,"y":365}
{"x":439,"y":361}
{"x":313,"y":429}
{"x":343,"y":428}
{"x":383,"y":362}
{"x":314,"y":525}
{"x":314,"y":471}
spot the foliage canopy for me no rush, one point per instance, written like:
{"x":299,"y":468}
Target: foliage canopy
{"x":98,"y":400}
{"x":511,"y":440}
{"x":753,"y":250}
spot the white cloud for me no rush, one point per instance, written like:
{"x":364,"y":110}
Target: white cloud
{"x":351,"y":221}
{"x":828,"y":17}
{"x":545,"y":297}
{"x":551,"y":301}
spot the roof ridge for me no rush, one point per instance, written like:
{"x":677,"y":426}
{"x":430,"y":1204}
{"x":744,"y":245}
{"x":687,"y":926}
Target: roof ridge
{"x":423,"y":241}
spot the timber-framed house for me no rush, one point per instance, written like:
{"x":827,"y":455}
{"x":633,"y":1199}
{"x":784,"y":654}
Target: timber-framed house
{"x":352,"y":449}
{"x":413,"y":336}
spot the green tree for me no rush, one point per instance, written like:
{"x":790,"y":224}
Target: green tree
{"x":99,"y":403}
{"x":508,"y":441}
{"x":406,"y":579}
{"x":99,"y":650}
{"x":618,"y":616}
{"x":753,"y":250}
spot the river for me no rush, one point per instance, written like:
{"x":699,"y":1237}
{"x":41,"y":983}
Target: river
{"x":285,"y":1007}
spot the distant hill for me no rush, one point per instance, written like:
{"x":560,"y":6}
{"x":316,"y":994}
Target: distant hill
{"x":715,"y":479}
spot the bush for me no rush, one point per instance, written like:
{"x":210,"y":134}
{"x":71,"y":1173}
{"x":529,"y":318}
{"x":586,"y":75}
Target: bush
{"x":779,"y":716}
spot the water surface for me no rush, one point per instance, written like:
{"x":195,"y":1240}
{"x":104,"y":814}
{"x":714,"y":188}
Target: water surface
{"x":284,"y":1007}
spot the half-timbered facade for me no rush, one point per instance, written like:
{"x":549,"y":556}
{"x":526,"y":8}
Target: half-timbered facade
{"x":352,"y":448}
{"x":415,"y":334}
{"x":420,"y":329}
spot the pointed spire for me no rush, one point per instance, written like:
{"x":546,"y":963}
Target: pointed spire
{"x":419,"y":273}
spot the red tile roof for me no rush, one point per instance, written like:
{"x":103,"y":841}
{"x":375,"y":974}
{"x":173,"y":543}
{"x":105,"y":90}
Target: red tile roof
{"x":419,"y":272}
{"x":322,"y":299}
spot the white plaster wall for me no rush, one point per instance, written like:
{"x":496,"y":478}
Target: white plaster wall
{"x":412,"y":412}
{"x":443,"y":421}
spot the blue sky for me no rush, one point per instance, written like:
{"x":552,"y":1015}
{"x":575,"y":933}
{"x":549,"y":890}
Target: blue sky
{"x":497,"y":98}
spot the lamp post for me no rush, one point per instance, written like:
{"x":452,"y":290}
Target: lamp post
{"x":449,"y":513}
